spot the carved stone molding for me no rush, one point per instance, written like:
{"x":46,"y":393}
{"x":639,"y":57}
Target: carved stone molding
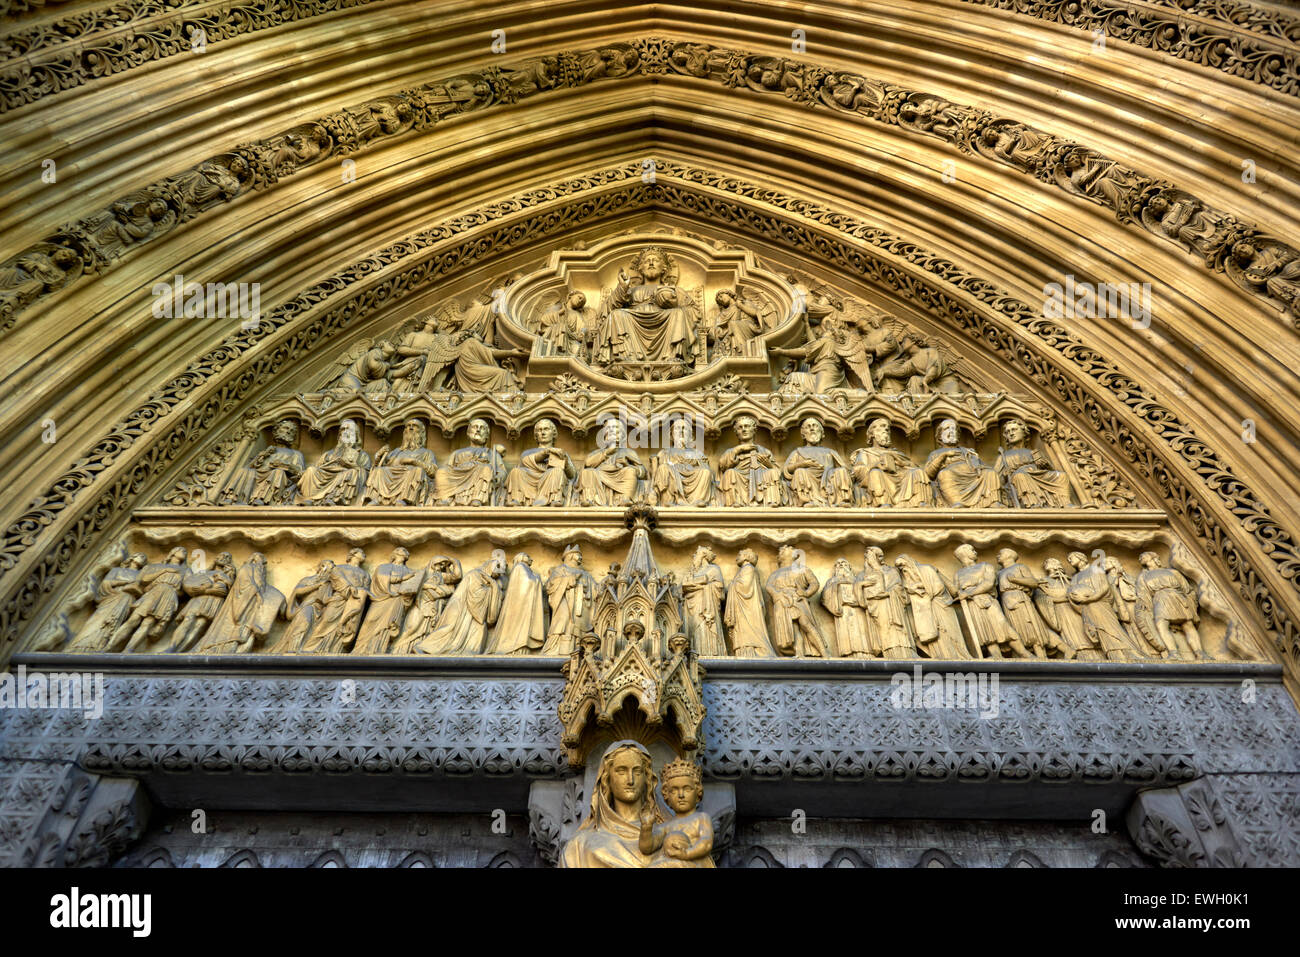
{"x":54,"y":814}
{"x":837,"y":237}
{"x":1184,"y":826}
{"x":1260,"y":264}
{"x":1233,"y":36}
{"x":92,"y":44}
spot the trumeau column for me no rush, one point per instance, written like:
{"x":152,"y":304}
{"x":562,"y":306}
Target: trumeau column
{"x":57,"y":815}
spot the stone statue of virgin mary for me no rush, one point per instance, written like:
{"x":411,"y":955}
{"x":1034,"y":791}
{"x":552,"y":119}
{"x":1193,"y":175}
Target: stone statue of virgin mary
{"x":623,"y":797}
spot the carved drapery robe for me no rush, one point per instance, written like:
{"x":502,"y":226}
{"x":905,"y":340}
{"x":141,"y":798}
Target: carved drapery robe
{"x":339,"y":620}
{"x":392,"y":589}
{"x":270,"y":479}
{"x":703,"y":591}
{"x":938,"y":631}
{"x":750,"y":476}
{"x":570,"y":592}
{"x":471,"y":611}
{"x":790,"y":589}
{"x":1089,"y":592}
{"x":306,"y":603}
{"x":471,"y":476}
{"x":613,"y":479}
{"x":117,"y":590}
{"x":1163,"y":595}
{"x":818,"y":476}
{"x":543,"y":476}
{"x":206,"y":589}
{"x":885,"y":602}
{"x":1053,"y":601}
{"x":432,"y":598}
{"x":962,"y":479}
{"x":745,"y":615}
{"x":337,"y":479}
{"x":1017,"y":584}
{"x":523,"y":620}
{"x":852,"y":636}
{"x":477,"y":369}
{"x":161,"y":598}
{"x":1035,"y":483}
{"x":247,"y":614}
{"x":651,"y":321}
{"x":682,"y":476}
{"x":404,"y":477}
{"x":888,"y":477}
{"x":984,"y":616}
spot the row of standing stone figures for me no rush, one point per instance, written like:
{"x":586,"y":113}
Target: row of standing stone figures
{"x":877,"y":475}
{"x":901,"y":610}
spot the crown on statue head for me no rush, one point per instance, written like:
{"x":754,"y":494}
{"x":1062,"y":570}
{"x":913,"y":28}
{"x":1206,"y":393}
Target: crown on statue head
{"x":681,"y":768}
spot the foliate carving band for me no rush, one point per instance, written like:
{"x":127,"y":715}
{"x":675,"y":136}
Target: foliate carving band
{"x":1260,"y":264}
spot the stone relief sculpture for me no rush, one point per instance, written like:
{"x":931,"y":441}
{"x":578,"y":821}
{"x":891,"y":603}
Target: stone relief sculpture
{"x":738,"y":317}
{"x":474,"y":474}
{"x":545,"y":473}
{"x":1089,"y":591}
{"x":647,"y":316}
{"x":681,"y":474}
{"x":934,"y":618}
{"x":794,"y":628}
{"x":613,"y":474}
{"x":840,"y":597}
{"x":402,"y":476}
{"x":1028,"y":474}
{"x":116,"y":593}
{"x":340,"y":475}
{"x":570,"y":590}
{"x":885,"y":602}
{"x":522,"y":630}
{"x":472,"y":610}
{"x":336,"y":628}
{"x":271,"y":477}
{"x":977,"y":592}
{"x":205,"y":589}
{"x":1088,"y":609}
{"x":1166,"y":608}
{"x":818,"y":476}
{"x":306,"y":604}
{"x":392,"y":589}
{"x":1016,"y":585}
{"x":745,"y":614}
{"x":702,"y":591}
{"x":569,"y":327}
{"x":247,"y":613}
{"x":750,"y":474}
{"x":441,"y":576}
{"x":962,"y":480}
{"x":153,"y":611}
{"x":885,"y":476}
{"x":1053,"y":601}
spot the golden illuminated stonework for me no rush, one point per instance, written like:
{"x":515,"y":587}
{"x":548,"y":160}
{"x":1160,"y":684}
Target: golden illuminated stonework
{"x":646,"y":430}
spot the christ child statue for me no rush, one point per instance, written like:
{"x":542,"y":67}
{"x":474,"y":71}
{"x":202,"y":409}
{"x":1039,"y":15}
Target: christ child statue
{"x":685,"y":840}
